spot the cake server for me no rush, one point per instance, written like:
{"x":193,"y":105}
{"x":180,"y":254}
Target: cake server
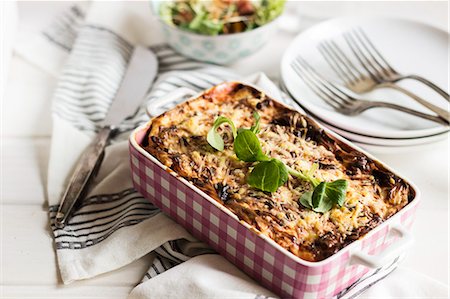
{"x":141,"y":71}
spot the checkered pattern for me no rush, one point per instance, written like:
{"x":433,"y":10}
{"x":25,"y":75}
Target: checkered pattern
{"x":260,"y":258}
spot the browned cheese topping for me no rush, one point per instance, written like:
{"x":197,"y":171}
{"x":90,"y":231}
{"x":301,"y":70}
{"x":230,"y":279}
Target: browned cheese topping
{"x":178,"y":139}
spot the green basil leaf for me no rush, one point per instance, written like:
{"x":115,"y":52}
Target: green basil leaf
{"x":255,"y":127}
{"x":214,"y":139}
{"x":268,"y":175}
{"x":320,"y":201}
{"x":240,"y":130}
{"x":327,"y":194}
{"x":247,"y":147}
{"x":336,"y":191}
{"x":282,"y":170}
{"x":306,"y":200}
{"x":318,"y":194}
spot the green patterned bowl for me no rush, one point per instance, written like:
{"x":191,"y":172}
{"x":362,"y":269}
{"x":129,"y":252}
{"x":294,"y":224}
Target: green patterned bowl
{"x":219,"y":49}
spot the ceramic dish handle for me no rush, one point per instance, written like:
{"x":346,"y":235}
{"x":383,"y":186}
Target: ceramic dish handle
{"x":160,"y":105}
{"x":404,"y":240}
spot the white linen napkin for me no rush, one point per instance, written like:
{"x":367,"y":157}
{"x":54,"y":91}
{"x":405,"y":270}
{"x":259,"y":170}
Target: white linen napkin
{"x":115,"y":225}
{"x":209,"y":276}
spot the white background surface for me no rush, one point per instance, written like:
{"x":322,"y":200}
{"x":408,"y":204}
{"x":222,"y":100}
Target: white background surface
{"x":28,"y":265}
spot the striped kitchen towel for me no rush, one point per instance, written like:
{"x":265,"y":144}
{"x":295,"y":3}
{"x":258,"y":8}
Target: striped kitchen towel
{"x":114,"y":225}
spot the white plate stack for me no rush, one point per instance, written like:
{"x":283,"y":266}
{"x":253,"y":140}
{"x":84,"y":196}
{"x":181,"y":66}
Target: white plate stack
{"x":411,"y":47}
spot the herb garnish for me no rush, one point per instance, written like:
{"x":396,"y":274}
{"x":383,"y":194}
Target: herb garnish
{"x":255,"y":127}
{"x":247,"y":147}
{"x":325,"y":196}
{"x":269,"y":173}
{"x":214,"y":138}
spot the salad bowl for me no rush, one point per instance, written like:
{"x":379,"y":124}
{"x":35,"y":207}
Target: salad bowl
{"x":219,"y":49}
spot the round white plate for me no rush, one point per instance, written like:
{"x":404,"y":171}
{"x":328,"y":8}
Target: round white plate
{"x":389,"y":142}
{"x":386,"y":150}
{"x":410,"y":47}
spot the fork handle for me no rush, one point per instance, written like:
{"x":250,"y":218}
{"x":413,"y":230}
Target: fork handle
{"x":439,"y":111}
{"x":376,"y":104}
{"x":428,"y":83}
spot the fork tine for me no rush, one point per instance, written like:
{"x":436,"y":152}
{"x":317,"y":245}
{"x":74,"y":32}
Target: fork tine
{"x":319,"y":92}
{"x":360,"y":56}
{"x":331,"y":91}
{"x":375,"y":50}
{"x":370,"y":57}
{"x":316,"y":89}
{"x":331,"y":87}
{"x":338,"y":68}
{"x":347,"y":61}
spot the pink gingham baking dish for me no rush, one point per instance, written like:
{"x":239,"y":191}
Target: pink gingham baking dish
{"x":259,"y":256}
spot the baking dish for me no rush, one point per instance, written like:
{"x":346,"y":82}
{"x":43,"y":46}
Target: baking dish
{"x":257,"y":255}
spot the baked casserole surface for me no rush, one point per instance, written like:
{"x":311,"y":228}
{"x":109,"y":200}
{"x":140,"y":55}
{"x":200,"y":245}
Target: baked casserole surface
{"x":177,"y":139}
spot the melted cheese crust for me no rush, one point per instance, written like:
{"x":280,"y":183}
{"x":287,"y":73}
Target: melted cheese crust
{"x":178,"y":139}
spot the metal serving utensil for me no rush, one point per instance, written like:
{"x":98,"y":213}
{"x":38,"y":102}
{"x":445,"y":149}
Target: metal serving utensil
{"x":141,"y":71}
{"x":375,"y":71}
{"x":341,"y":100}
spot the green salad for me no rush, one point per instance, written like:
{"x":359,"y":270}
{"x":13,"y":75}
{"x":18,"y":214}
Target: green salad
{"x":214,"y":17}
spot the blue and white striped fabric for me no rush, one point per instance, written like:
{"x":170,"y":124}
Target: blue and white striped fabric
{"x":115,"y":225}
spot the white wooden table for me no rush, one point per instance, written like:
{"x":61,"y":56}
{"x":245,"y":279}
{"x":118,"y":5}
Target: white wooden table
{"x":28,"y":264}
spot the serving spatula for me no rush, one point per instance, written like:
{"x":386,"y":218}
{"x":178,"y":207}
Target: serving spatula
{"x":141,"y":71}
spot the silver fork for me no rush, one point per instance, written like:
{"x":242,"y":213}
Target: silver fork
{"x":376,"y":73}
{"x":341,"y":100}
